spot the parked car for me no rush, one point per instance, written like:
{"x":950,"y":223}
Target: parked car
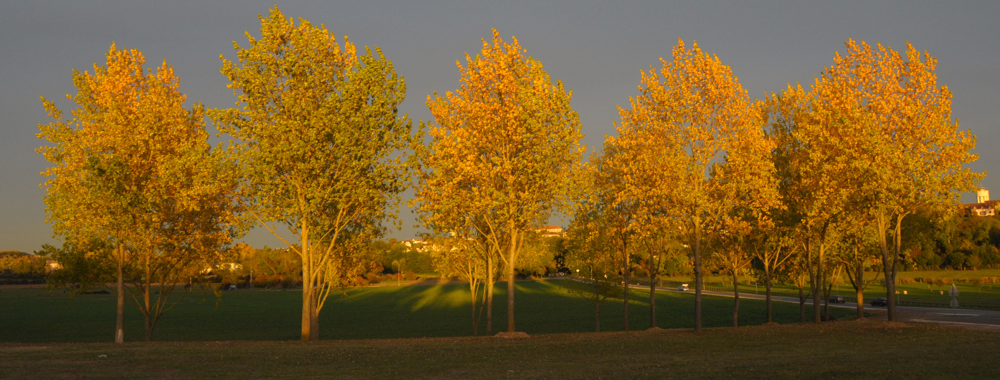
{"x":683,"y":287}
{"x":880,"y":302}
{"x":837,"y":299}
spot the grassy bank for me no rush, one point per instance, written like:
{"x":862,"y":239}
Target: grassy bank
{"x":832,"y":350}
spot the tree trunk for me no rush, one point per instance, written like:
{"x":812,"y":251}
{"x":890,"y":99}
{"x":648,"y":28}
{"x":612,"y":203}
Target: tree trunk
{"x":120,"y":314}
{"x":767,"y":297}
{"x":652,"y":294}
{"x":859,"y":283}
{"x":314,"y":318}
{"x":307,"y":286}
{"x":510,"y":280}
{"x":489,"y":295}
{"x":145,"y":299}
{"x":889,"y":264}
{"x":736,"y":300}
{"x":625,"y":277}
{"x":697,"y":275}
{"x":814,"y":287}
{"x":148,"y":315}
{"x":826,"y":300}
{"x":861,"y":302}
{"x":820,"y":284}
{"x":306,"y":314}
{"x":472,"y":290}
{"x":890,"y":282}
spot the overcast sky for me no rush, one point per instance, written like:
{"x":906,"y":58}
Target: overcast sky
{"x":596,"y":48}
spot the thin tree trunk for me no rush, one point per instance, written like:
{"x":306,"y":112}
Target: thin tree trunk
{"x":510,"y":280}
{"x":889,"y":265}
{"x":147,"y":316}
{"x":826,"y":300}
{"x":489,"y":295}
{"x":697,"y":275}
{"x":860,"y":273}
{"x":306,"y":286}
{"x":891,"y":281}
{"x":767,"y":297}
{"x":120,"y":314}
{"x":818,"y":289}
{"x":736,"y":299}
{"x":314,"y":318}
{"x":472,"y":290}
{"x":814,"y":287}
{"x":652,"y":292}
{"x":625,"y":277}
{"x":145,"y":299}
{"x":859,"y":282}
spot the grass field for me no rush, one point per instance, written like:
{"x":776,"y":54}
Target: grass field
{"x":543,"y":307}
{"x":831,"y":350}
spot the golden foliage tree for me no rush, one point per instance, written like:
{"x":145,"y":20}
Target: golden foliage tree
{"x":320,"y":140}
{"x":907,"y":151}
{"x":133,"y":170}
{"x":703,"y":133}
{"x":620,"y":195}
{"x":503,"y":148}
{"x":817,"y":181}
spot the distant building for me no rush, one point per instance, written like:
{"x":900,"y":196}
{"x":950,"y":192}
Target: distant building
{"x":983,"y":206}
{"x":550,"y":231}
{"x":52,"y":266}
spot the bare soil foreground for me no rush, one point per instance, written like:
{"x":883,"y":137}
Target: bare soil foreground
{"x":856,"y":349}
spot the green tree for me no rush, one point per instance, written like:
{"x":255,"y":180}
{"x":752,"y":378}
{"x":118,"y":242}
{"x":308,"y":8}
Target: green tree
{"x":133,"y":170}
{"x":320,"y":142}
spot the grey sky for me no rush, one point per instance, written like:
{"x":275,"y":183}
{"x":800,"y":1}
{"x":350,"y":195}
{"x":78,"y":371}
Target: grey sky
{"x":596,"y":48}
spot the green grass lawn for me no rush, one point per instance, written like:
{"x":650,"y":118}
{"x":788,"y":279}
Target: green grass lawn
{"x":542,"y":307}
{"x":875,"y":350}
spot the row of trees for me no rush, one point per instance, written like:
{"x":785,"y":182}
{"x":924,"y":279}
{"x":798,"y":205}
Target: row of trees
{"x":21,"y":266}
{"x":957,"y":242}
{"x":319,"y":147}
{"x":788,"y":183}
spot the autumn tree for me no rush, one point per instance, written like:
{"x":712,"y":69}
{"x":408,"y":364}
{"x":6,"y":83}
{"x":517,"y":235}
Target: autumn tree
{"x":505,"y":144}
{"x":319,"y":147}
{"x":709,"y":140}
{"x":616,"y":200}
{"x":134,"y":181}
{"x":817,"y":182}
{"x":909,"y":153}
